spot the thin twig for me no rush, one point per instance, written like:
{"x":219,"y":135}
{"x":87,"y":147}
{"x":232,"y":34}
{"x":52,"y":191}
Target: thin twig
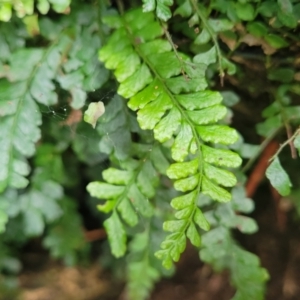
{"x":289,"y":135}
{"x":288,"y":141}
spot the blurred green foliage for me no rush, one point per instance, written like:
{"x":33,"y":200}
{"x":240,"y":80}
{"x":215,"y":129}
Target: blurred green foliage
{"x":166,"y":160}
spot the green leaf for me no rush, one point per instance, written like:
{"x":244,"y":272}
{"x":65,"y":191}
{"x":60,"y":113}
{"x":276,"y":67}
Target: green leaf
{"x":269,"y":126}
{"x":268,"y":8}
{"x":147,"y":179}
{"x":23,"y":62}
{"x":187,"y":184}
{"x":19,"y":133}
{"x":245,"y":11}
{"x":159,"y":160}
{"x":128,"y":67}
{"x":140,"y":202}
{"x":285,"y":13}
{"x":220,"y":176}
{"x":221,"y":157}
{"x":127,"y":212}
{"x":155,"y":46}
{"x":33,"y":222}
{"x":184,"y":10}
{"x":200,"y":220}
{"x":165,"y":128}
{"x":214,"y":191}
{"x":245,"y":224}
{"x":203,"y":38}
{"x":180,"y":148}
{"x":207,"y":58}
{"x":207,"y":115}
{"x":167,"y":64}
{"x":107,"y":207}
{"x":60,"y":238}
{"x":282,"y":74}
{"x":230,"y":98}
{"x":184,"y":213}
{"x":5,"y":12}
{"x":103,"y":190}
{"x":94,"y":111}
{"x":149,"y":116}
{"x":276,"y":41}
{"x":219,"y":25}
{"x":43,"y":6}
{"x":116,"y":235}
{"x":184,"y":201}
{"x":149,"y":5}
{"x":193,"y":235}
{"x":162,"y":10}
{"x":3,"y":215}
{"x":279,"y":178}
{"x":182,"y":170}
{"x":218,"y":134}
{"x":115,"y":176}
{"x":141,"y":99}
{"x":257,"y":29}
{"x":297,"y":143}
{"x":174,"y":226}
{"x":199,"y":100}
{"x":135,"y":82}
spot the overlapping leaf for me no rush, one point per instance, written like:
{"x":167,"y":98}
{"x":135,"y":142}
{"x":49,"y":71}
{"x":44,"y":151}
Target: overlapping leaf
{"x":168,"y":92}
{"x":128,"y":192}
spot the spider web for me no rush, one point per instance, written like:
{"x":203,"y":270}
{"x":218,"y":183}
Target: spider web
{"x":63,"y":126}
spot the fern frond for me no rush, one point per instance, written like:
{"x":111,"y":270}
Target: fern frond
{"x":128,"y":188}
{"x":142,"y":274}
{"x":30,"y":79}
{"x":170,"y":98}
{"x":221,"y":251}
{"x":144,"y":269}
{"x":32,"y":71}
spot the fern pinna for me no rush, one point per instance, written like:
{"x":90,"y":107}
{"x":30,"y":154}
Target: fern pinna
{"x":167,"y":89}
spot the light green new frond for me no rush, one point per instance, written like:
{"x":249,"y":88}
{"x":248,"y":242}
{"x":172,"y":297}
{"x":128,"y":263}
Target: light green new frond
{"x":167,"y":90}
